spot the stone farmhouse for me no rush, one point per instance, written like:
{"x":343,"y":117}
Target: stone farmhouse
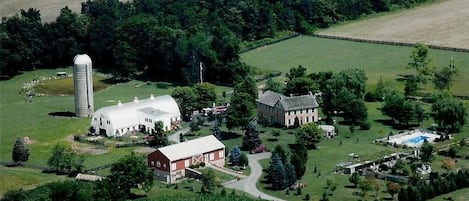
{"x":170,"y":163}
{"x":138,"y":115}
{"x":275,"y":108}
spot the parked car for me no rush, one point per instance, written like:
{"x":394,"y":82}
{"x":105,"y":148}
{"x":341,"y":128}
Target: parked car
{"x":259,"y":149}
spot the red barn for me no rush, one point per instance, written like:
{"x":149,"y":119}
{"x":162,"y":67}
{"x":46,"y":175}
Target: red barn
{"x":169,"y":163}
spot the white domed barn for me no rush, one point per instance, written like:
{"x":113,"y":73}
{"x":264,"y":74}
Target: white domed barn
{"x":124,"y":118}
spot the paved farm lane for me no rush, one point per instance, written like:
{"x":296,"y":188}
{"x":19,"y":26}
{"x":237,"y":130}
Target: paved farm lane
{"x":175,"y":137}
{"x":248,"y":184}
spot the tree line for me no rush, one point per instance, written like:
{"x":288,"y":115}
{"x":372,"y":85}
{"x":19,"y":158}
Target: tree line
{"x":438,"y":185}
{"x":166,"y":40}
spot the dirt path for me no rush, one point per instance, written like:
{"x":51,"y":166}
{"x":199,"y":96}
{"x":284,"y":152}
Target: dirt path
{"x":84,"y":148}
{"x":444,"y":23}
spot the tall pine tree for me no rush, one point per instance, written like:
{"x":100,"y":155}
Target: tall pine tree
{"x":276,"y":175}
{"x":20,"y":153}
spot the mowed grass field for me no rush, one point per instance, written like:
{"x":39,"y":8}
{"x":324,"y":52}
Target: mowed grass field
{"x":319,"y":54}
{"x":442,"y":23}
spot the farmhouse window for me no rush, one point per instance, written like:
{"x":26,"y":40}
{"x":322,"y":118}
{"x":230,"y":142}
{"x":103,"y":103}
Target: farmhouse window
{"x":186,"y":163}
{"x":152,"y":163}
{"x":173,"y":166}
{"x":158,"y":164}
{"x":212,"y":156}
{"x":220,"y":154}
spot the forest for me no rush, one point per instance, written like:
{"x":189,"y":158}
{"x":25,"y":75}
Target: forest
{"x":167,"y":40}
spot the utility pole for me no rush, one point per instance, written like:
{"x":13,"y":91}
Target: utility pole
{"x":200,"y":73}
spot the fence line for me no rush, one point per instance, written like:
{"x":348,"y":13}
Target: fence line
{"x":388,"y":42}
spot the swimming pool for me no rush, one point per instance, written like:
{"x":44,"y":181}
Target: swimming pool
{"x":417,"y":140}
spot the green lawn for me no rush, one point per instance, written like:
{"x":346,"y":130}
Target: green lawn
{"x":318,"y":54}
{"x":459,"y":195}
{"x":13,"y":178}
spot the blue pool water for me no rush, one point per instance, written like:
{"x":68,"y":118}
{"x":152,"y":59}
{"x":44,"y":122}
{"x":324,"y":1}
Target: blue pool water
{"x":417,"y":140}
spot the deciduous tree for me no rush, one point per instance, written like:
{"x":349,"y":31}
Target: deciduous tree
{"x":310,"y":133}
{"x":426,"y":152}
{"x":130,"y":172}
{"x":449,"y":113}
{"x":393,"y":188}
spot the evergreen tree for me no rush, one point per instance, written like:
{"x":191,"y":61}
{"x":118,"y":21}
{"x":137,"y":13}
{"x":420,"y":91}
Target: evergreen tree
{"x":20,"y":152}
{"x":354,"y":179}
{"x":158,"y":136}
{"x":290,"y":174}
{"x":282,"y":153}
{"x":243,"y":160}
{"x":276,"y":172}
{"x":235,"y":155}
{"x":208,"y":181}
{"x":251,"y":138}
{"x":299,"y":157}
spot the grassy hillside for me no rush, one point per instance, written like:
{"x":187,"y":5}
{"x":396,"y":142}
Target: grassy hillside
{"x":319,"y":54}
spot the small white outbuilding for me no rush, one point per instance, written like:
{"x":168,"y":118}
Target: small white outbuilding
{"x":124,"y":118}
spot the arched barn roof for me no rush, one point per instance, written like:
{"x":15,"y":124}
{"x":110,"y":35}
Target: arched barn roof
{"x":126,"y":114}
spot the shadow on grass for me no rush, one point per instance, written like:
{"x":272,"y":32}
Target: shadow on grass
{"x":390,"y":122}
{"x":229,"y":135}
{"x":402,"y":77}
{"x":163,"y":85}
{"x":272,"y":139}
{"x":350,"y":186}
{"x":113,"y":80}
{"x":62,"y":114}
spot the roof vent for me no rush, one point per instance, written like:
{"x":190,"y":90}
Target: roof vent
{"x":119,"y":103}
{"x":151,"y":96}
{"x":135,"y":99}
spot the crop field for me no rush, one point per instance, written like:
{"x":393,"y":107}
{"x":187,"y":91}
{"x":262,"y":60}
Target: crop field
{"x":319,"y":54}
{"x":50,"y":9}
{"x":443,"y":23}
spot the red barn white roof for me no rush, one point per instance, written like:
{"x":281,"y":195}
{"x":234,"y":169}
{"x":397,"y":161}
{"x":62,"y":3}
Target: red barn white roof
{"x":191,"y":148}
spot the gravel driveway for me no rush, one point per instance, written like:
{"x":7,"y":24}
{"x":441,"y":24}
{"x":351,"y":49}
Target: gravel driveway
{"x":248,"y":184}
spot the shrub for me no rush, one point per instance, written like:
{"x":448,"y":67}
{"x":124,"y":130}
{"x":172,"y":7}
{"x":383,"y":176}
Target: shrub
{"x":365,"y":126}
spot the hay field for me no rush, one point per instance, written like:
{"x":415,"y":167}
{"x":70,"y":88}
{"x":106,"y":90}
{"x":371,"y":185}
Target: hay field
{"x":50,"y":9}
{"x":444,"y":23}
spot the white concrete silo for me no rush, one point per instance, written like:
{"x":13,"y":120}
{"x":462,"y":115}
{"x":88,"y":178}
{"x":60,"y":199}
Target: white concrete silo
{"x":83,"y":85}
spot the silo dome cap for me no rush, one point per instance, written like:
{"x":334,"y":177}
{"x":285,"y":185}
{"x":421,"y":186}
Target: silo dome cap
{"x":81,"y":59}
